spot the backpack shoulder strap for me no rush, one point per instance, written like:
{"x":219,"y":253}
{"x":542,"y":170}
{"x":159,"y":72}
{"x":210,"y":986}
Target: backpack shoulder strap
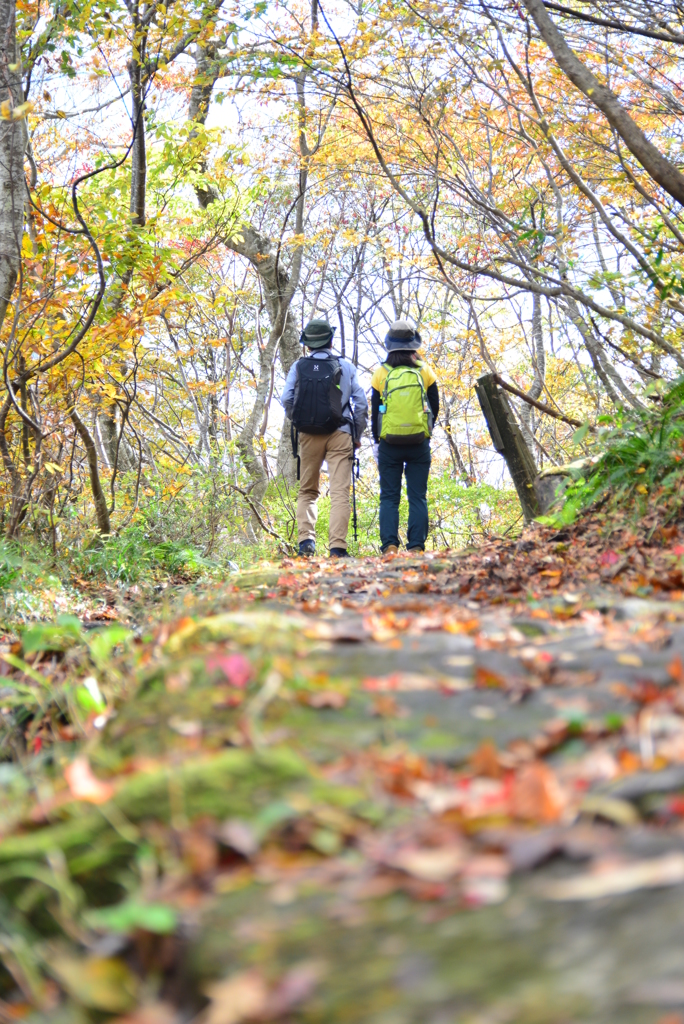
{"x":418,"y":371}
{"x":389,"y":369}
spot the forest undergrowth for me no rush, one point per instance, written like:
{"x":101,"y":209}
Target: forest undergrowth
{"x":210,"y":774}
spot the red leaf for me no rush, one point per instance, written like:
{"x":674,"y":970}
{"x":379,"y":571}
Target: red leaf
{"x":609,"y":557}
{"x":234,"y":667}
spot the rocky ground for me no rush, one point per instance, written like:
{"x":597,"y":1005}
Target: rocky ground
{"x":401,"y":791}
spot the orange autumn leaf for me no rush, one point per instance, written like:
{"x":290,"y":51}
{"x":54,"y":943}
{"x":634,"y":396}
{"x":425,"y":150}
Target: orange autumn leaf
{"x":485,"y":761}
{"x":537,"y":794}
{"x":83,"y":785}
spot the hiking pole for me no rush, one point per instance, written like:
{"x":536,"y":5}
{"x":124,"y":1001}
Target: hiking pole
{"x":356,"y":465}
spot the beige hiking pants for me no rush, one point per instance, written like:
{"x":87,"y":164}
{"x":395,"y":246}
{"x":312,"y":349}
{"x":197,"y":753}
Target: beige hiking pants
{"x":335,"y":449}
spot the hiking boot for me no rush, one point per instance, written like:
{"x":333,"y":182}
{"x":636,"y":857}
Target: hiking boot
{"x":338,"y":552}
{"x":391,"y":549}
{"x":307,"y":548}
{"x":416,"y":551}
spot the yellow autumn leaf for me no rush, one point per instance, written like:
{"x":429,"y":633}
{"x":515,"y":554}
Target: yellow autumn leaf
{"x":641,"y":489}
{"x":23,"y":110}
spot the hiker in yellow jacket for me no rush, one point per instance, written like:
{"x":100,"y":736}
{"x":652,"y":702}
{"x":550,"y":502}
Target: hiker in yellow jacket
{"x":404,"y":408}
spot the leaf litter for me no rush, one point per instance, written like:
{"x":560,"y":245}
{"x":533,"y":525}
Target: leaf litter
{"x":440,"y":730}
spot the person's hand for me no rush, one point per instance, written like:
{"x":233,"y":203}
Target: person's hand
{"x":376,"y":452}
{"x":357,"y":445}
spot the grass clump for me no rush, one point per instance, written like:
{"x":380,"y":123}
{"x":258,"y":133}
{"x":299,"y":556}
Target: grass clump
{"x":133,"y":557}
{"x":634,"y":463}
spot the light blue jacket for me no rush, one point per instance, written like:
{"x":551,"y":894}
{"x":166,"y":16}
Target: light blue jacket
{"x":354,"y":402}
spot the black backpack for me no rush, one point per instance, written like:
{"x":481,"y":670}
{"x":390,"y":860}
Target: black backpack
{"x":317,"y":404}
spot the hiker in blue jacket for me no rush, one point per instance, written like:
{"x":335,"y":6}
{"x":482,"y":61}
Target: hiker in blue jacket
{"x":328,"y":409}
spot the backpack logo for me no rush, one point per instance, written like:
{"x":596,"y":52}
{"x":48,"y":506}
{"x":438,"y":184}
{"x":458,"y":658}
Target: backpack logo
{"x":316,"y":366}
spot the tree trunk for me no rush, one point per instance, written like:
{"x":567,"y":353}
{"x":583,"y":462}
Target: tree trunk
{"x":120,"y":454}
{"x":139,"y":153}
{"x":13,"y":139}
{"x":508,"y":440}
{"x":101,"y":510}
{"x":460,"y":469}
{"x":275,"y":281}
{"x":539,"y":367}
{"x":278,"y":285}
{"x":20,"y":482}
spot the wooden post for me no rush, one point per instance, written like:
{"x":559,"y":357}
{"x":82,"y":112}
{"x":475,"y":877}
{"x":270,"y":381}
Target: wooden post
{"x":509,"y":441}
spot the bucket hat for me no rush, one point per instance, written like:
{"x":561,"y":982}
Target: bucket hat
{"x":317,"y":334}
{"x":402,"y":337}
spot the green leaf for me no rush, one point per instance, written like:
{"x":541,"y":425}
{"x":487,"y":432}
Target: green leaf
{"x":102,"y":643}
{"x":16,"y":662}
{"x":49,"y":637}
{"x":129,"y":916}
{"x":89,"y":697}
{"x":580,"y":433}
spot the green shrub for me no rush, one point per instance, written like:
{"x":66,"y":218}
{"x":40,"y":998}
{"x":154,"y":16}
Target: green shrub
{"x":12,"y":564}
{"x":635,"y":459}
{"x":131,"y":557}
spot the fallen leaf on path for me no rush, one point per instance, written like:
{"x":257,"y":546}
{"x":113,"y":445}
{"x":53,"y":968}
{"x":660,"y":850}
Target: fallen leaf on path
{"x":400,"y":681}
{"x":430,"y":865}
{"x":235,"y":667}
{"x":438,"y":799}
{"x":629,"y":659}
{"x":537,"y":794}
{"x":381,"y":628}
{"x":351,"y":632}
{"x":386,"y":706}
{"x":485,"y":761}
{"x":485,"y":880}
{"x":326,"y":699}
{"x":484,"y":891}
{"x":246,"y":996}
{"x":620,"y":812}
{"x":676,"y":670}
{"x":645,"y":874}
{"x":238,"y":998}
{"x":486,"y":679}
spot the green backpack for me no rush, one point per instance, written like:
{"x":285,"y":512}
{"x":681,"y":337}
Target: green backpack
{"x":405,"y":414}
